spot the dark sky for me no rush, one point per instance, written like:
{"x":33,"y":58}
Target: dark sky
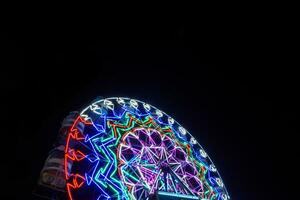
{"x":238,"y":108}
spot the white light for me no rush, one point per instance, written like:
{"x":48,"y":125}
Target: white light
{"x":193,"y":141}
{"x":85,"y":117}
{"x":219,"y":182}
{"x":182,"y":130}
{"x":146,"y":106}
{"x":159,"y":113}
{"x":121,"y":101}
{"x":96,"y":109}
{"x":171,"y":120}
{"x":203,"y":153}
{"x":108,"y":104}
{"x":212,"y":168}
{"x":133,"y":103}
{"x":224,"y":197}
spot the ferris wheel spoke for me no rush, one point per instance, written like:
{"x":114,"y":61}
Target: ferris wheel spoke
{"x":156,"y":180}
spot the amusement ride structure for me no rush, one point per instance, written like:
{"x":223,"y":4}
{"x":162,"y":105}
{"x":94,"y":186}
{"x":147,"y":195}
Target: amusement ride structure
{"x":121,"y":148}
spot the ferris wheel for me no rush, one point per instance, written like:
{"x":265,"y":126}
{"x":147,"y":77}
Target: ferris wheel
{"x":129,"y":149}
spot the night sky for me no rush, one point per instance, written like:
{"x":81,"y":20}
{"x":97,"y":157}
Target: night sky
{"x":237,"y":109}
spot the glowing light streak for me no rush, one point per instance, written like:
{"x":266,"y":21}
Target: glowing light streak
{"x":146,"y":106}
{"x":193,"y":141}
{"x":170,"y":120}
{"x":177,"y":195}
{"x":159,"y":113}
{"x":133,"y":103}
{"x":212,"y":168}
{"x":203,"y":153}
{"x":108,"y":104}
{"x":182,"y":130}
{"x":121,"y":101}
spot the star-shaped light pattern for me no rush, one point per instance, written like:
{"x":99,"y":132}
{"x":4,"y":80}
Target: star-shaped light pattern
{"x":132,"y":150}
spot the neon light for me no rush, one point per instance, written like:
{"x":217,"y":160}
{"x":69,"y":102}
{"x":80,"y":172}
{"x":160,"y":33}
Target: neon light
{"x":219,"y":182}
{"x":182,"y":130}
{"x":193,"y":141}
{"x":212,"y":168}
{"x":121,"y":101}
{"x":170,"y":120}
{"x":203,"y":153}
{"x":129,"y":149}
{"x":108,"y":104}
{"x":159,"y":113}
{"x":177,"y":195}
{"x":133,"y":103}
{"x":146,"y":106}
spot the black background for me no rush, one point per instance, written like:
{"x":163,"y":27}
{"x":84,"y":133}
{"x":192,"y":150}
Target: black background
{"x":238,"y":110}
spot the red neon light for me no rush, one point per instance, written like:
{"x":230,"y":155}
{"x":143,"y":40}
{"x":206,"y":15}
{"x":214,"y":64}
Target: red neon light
{"x":75,"y":155}
{"x":74,"y":133}
{"x":77,"y":182}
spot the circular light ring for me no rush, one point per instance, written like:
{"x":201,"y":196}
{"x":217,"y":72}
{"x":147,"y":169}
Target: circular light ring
{"x":129,"y":150}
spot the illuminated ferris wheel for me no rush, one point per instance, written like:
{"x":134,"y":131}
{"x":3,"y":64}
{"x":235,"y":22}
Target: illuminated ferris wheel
{"x":129,"y":149}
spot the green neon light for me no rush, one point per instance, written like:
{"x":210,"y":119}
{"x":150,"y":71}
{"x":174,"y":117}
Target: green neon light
{"x":177,"y":195}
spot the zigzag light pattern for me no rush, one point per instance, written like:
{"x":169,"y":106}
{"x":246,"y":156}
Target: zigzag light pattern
{"x":132,"y":150}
